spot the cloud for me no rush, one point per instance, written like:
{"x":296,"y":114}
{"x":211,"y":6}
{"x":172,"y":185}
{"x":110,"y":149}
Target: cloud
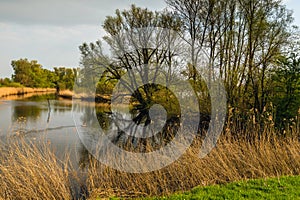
{"x":64,"y":13}
{"x":51,"y":31}
{"x":21,"y":40}
{"x":50,"y":46}
{"x":286,"y":1}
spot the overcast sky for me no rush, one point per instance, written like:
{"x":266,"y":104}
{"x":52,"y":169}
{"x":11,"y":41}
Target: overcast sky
{"x":51,"y":31}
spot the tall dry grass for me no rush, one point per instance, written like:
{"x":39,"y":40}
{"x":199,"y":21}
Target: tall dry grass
{"x":32,"y":171}
{"x":7,"y":91}
{"x":234,"y":158}
{"x":66,"y":94}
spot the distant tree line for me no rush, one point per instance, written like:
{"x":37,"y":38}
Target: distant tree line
{"x":32,"y":74}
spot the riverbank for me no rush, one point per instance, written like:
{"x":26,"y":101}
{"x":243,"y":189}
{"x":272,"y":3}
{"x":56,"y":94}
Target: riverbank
{"x":232,"y":160}
{"x":9,"y":91}
{"x":33,"y":171}
{"x":68,"y":94}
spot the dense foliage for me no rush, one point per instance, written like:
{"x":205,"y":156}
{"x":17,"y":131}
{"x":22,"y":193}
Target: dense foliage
{"x":32,"y":74}
{"x":286,"y":91}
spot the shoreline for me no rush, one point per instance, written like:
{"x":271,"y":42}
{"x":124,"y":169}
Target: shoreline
{"x":67,"y":94}
{"x":11,"y":91}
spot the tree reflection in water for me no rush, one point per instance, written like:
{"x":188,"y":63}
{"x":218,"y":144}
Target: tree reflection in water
{"x":144,"y":128}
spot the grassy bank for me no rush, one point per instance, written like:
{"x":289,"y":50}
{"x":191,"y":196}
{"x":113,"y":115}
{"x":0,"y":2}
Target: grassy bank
{"x":7,"y":91}
{"x":279,"y":188}
{"x":32,"y":171}
{"x":230,"y":161}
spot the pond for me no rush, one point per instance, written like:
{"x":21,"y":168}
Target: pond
{"x":58,"y":121}
{"x":41,"y":117}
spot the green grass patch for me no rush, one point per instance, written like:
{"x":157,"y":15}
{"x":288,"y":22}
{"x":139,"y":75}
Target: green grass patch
{"x":273,"y":188}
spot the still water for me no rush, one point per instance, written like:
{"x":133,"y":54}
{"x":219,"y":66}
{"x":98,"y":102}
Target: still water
{"x":58,"y":121}
{"x":71,"y":126}
{"x":42,"y":117}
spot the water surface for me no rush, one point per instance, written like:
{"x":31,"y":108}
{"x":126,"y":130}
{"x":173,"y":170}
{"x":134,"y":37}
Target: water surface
{"x":41,"y":117}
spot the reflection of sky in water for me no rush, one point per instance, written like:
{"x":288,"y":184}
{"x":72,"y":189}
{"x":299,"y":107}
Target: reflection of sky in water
{"x":33,"y":116}
{"x":29,"y":117}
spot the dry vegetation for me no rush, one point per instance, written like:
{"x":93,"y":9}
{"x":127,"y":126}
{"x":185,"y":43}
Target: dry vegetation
{"x":7,"y":91}
{"x":231,"y":160}
{"x":239,"y":155}
{"x":31,"y":171}
{"x":66,"y":94}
